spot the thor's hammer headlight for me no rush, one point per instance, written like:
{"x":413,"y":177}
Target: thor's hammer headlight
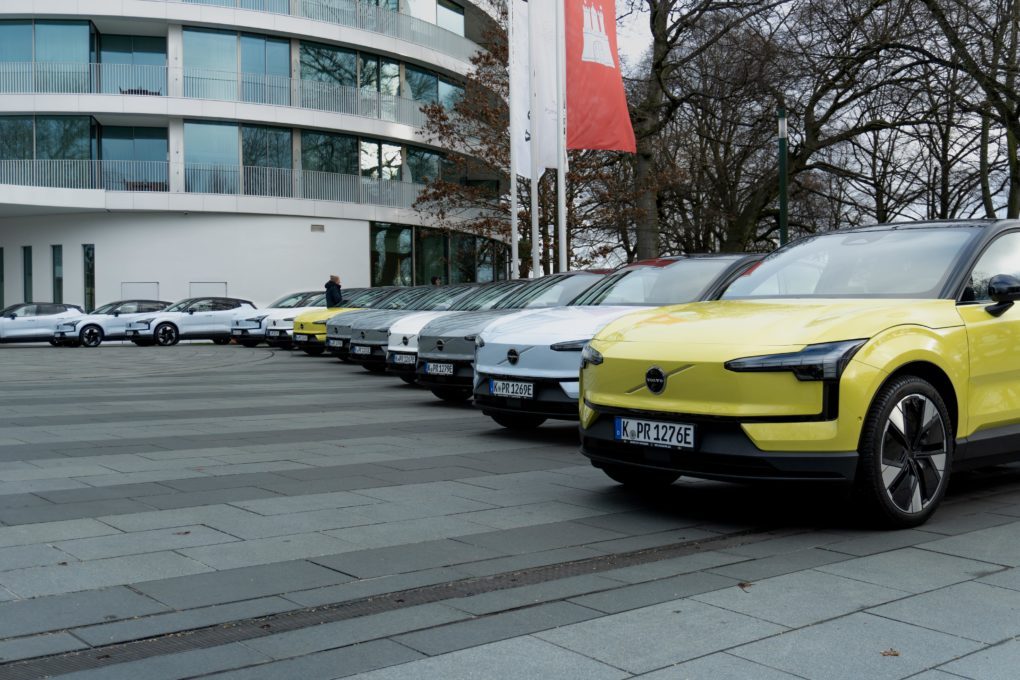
{"x":824,"y":361}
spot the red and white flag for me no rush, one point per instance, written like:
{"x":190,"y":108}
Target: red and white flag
{"x":597,"y":116}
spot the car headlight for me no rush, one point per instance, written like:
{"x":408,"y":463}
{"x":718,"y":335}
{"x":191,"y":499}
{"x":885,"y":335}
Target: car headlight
{"x":291,"y":318}
{"x":590,"y":355}
{"x":72,"y":324}
{"x":824,"y":361}
{"x":479,"y":342}
{"x":258,"y":319}
{"x":317,"y":323}
{"x":571,"y":346}
{"x":145,"y":321}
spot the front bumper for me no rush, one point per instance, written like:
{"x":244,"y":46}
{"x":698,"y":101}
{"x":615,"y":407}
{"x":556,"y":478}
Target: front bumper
{"x":551,"y":398}
{"x":307,"y":339}
{"x":376,"y":354}
{"x":408,"y":368}
{"x":722,"y":451}
{"x":248,"y":333}
{"x":462,"y":374}
{"x":338,"y":347}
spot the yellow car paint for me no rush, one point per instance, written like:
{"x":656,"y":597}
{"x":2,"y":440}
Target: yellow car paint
{"x":314,"y":323}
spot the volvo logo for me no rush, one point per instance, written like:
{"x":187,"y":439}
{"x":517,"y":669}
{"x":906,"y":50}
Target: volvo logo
{"x":406,"y":340}
{"x":362,"y":335}
{"x":440,"y":345}
{"x":655,"y":380}
{"x":513,"y":357}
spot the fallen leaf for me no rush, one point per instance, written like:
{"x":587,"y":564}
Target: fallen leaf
{"x":265,"y":626}
{"x":890,"y":652}
{"x":745,"y":585}
{"x":62,"y":564}
{"x":181,"y":533}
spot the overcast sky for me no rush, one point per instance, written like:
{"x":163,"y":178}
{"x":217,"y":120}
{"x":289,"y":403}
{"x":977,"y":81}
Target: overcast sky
{"x":632,"y":39}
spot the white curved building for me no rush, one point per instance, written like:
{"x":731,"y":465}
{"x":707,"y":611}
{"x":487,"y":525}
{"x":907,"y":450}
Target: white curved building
{"x":161,"y":149}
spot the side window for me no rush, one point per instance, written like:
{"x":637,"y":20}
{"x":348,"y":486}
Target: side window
{"x":27,"y":310}
{"x":202,"y":306}
{"x":151,"y":307}
{"x":224,"y":305}
{"x":129,"y":308}
{"x":1001,"y":257}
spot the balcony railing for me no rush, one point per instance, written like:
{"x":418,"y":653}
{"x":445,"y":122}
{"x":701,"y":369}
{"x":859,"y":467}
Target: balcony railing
{"x":154,"y":176}
{"x":364,"y":16}
{"x":130,"y":79}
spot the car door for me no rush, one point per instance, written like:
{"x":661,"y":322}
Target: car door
{"x":222,"y":316}
{"x":994,"y":343}
{"x":49,"y":316}
{"x":116,"y":323}
{"x":22,"y":325}
{"x":198,"y":319}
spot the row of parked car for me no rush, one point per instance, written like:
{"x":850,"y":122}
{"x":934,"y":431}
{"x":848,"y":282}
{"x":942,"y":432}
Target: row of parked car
{"x":879,"y":358}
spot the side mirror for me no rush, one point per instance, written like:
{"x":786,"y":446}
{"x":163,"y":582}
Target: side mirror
{"x":1004,"y":291}
{"x":116,"y":313}
{"x":191,"y":311}
{"x":13,"y":316}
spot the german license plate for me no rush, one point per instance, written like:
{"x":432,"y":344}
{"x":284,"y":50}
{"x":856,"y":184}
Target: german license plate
{"x":361,"y":349}
{"x":334,"y":342}
{"x":438,"y":369}
{"x":274,"y":334}
{"x":301,"y":338}
{"x":403,"y":358}
{"x":512,"y":389}
{"x":668,"y":435}
{"x":237,"y":331}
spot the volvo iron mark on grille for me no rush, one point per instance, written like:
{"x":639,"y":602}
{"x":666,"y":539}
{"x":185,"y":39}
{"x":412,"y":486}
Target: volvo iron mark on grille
{"x":882,"y":357}
{"x":526,"y":364}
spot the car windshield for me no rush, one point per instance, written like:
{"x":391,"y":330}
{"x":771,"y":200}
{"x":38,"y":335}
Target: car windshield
{"x":485,"y":297}
{"x":316,"y":300}
{"x":7,"y":311}
{"x":682,"y":281}
{"x":108,"y":308}
{"x":293,"y":300}
{"x":441,"y":297}
{"x":882,"y":263}
{"x":180,"y":306}
{"x":551,"y":291}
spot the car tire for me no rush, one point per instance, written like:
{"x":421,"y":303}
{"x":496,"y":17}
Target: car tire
{"x":640,"y":478}
{"x":144,"y":343}
{"x":55,"y":343}
{"x":313,"y":351}
{"x":409,"y":379}
{"x":454,"y":395}
{"x":906,"y":454}
{"x":90,"y":336}
{"x":166,"y":335}
{"x":517,"y":421}
{"x":221,"y":341}
{"x":250,"y":344}
{"x":374,"y":368}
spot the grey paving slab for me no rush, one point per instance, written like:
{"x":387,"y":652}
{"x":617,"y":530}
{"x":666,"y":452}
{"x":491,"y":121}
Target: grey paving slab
{"x":21,"y":556}
{"x":335,"y":663}
{"x":911,"y":569}
{"x":26,"y":617}
{"x":406,"y":532}
{"x":190,"y":499}
{"x":719,"y":666}
{"x":802,"y":598}
{"x":654,"y":592}
{"x":267,"y":550}
{"x":375,"y":586}
{"x":971,"y":610}
{"x":54,"y":531}
{"x":755,"y":569}
{"x":786,"y":544}
{"x":634,"y":640}
{"x":209,"y":515}
{"x":176,"y":666}
{"x":104,"y":493}
{"x":851,"y":648}
{"x":38,"y":645}
{"x":143,"y":542}
{"x":1000,"y":662}
{"x":504,"y":626}
{"x":541,"y":537}
{"x":869,"y":543}
{"x":240,"y":584}
{"x":512,"y":563}
{"x":343,"y":633}
{"x":322,"y":501}
{"x":161,"y":624}
{"x":75,"y":576}
{"x":998,"y":545}
{"x":397,"y":559}
{"x":659,"y":569}
{"x":66,"y":511}
{"x":638,"y":521}
{"x":530,"y":514}
{"x":511,"y":598}
{"x":523,"y":658}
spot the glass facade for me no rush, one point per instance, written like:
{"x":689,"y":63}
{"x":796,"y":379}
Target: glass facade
{"x":403,"y":255}
{"x":212,"y":157}
{"x":265,"y":69}
{"x":422,"y":165}
{"x":450,"y":16}
{"x":132,"y":65}
{"x":329,"y":64}
{"x":210,"y":64}
{"x":266,"y":153}
{"x":17,"y":138}
{"x":26,"y":273}
{"x":89,"y":268}
{"x":57,"y":254}
{"x":133,"y":144}
{"x":2,"y":305}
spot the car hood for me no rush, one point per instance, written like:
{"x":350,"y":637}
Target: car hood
{"x":321,"y":314}
{"x":413,"y":323}
{"x":381,"y":320}
{"x":361,"y":316}
{"x":552,"y":325}
{"x":277,"y":312}
{"x":468,"y":323}
{"x":776,"y":323}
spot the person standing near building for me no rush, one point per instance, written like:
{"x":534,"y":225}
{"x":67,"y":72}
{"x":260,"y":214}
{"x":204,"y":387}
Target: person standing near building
{"x":334,"y":293}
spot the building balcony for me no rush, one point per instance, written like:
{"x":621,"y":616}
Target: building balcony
{"x":159,"y":81}
{"x":166,"y":178}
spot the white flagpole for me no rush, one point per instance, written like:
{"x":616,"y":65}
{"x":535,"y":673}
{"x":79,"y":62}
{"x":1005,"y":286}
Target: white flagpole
{"x":536,"y":169}
{"x":561,"y":131}
{"x":515,"y":270}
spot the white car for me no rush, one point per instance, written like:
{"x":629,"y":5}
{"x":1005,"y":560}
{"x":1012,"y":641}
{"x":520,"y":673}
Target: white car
{"x":204,"y":318}
{"x":35,"y":321}
{"x":249,"y":329}
{"x":108,"y":322}
{"x":527,"y":364}
{"x":402,"y":343}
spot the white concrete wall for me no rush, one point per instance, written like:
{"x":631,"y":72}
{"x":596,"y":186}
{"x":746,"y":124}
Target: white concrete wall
{"x":259,"y":257}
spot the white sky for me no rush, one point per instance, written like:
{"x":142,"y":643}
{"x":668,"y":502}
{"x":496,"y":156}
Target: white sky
{"x":632,"y":39}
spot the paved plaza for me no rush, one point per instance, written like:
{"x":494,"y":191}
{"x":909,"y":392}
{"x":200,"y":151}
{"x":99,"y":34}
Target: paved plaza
{"x":203,"y":511}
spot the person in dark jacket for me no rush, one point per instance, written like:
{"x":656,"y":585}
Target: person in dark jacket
{"x":334,"y":293}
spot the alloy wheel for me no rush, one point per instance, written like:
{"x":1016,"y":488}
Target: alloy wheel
{"x":914,"y":453}
{"x":166,"y":335}
{"x":91,"y":336}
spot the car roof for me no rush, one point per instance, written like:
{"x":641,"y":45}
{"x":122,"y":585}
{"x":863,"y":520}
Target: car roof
{"x":979,"y":223}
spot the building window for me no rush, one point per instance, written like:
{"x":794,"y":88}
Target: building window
{"x":391,"y":255}
{"x":133,"y":64}
{"x":430,"y":255}
{"x":450,"y":93}
{"x":422,"y":165}
{"x":2,"y":278}
{"x":424,"y":85}
{"x":143,"y":152}
{"x":328,"y":162}
{"x":265,"y":69}
{"x":212,"y":158}
{"x":89,"y":261}
{"x":26,"y":273}
{"x":463,"y":255}
{"x":266,"y":153}
{"x":210,"y":64}
{"x":58,"y":273}
{"x":16,"y":138}
{"x":450,"y":16}
{"x":329,"y":64}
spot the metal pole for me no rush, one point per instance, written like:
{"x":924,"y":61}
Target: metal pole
{"x":515,"y":269}
{"x":536,"y":170}
{"x":561,"y":133}
{"x":784,"y":197}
